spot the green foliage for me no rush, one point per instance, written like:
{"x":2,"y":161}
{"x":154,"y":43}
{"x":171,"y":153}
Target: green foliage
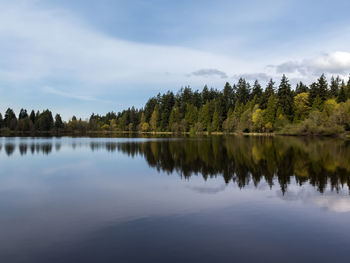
{"x":301,"y":104}
{"x":191,"y":115}
{"x":342,"y":94}
{"x":154,"y":122}
{"x":205,"y":116}
{"x":258,"y":119}
{"x":58,"y":122}
{"x":334,"y":87}
{"x":243,"y":91}
{"x":45,"y":121}
{"x":301,"y":88}
{"x":10,"y":119}
{"x":269,"y":91}
{"x":270,"y":114}
{"x":285,"y":98}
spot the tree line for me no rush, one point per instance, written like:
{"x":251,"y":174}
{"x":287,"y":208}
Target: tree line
{"x":319,"y":108}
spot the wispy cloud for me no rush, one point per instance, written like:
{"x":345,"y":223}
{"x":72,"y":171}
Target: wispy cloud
{"x":209,"y":73}
{"x":254,"y":76}
{"x":54,"y":91}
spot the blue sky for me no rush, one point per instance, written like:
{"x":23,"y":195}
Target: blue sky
{"x":79,"y":57}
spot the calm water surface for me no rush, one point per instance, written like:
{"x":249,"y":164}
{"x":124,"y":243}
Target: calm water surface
{"x":219,"y":199}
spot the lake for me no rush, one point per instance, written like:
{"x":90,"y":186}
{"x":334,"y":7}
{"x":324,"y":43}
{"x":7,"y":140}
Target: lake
{"x":206,"y":199}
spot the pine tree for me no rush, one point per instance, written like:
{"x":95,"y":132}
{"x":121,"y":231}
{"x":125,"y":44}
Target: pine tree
{"x":205,"y":116}
{"x":32,"y":116}
{"x":257,"y":91}
{"x":301,"y":88}
{"x":10,"y":119}
{"x":285,"y":98}
{"x":334,"y":87}
{"x":323,"y":88}
{"x":58,"y":122}
{"x":243,"y":91}
{"x":45,"y":121}
{"x":23,"y":114}
{"x":342,"y":94}
{"x":229,"y":96}
{"x":270,"y":114}
{"x":269,"y":91}
{"x":313,"y":92}
{"x":217,"y":117}
{"x":191,"y":115}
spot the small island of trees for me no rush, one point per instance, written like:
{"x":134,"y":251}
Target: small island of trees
{"x":321,"y":108}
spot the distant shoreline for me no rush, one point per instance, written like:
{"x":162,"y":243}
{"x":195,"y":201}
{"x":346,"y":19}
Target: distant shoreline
{"x":135,"y":133}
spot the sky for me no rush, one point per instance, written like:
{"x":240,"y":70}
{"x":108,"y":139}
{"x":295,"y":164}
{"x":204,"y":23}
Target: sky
{"x":95,"y":56}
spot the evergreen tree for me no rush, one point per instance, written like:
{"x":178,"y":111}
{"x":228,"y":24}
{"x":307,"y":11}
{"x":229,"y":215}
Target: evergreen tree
{"x":285,"y":98}
{"x":323,"y":88}
{"x":217,"y":117}
{"x":58,"y":122}
{"x":216,"y":125}
{"x":149,"y":108}
{"x":334,"y":87}
{"x":32,"y":116}
{"x":10,"y":119}
{"x":314,"y":91}
{"x":205,"y":116}
{"x":23,"y":114}
{"x":191,"y":115}
{"x":229,"y":96}
{"x":257,"y":91}
{"x":243,"y":91}
{"x":342,"y":94}
{"x":45,"y":121}
{"x":270,"y":113}
{"x":205,"y":95}
{"x":269,"y":91}
{"x":301,"y":88}
{"x":1,"y":121}
{"x":167,"y":102}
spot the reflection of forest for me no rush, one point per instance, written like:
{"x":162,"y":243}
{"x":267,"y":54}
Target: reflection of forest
{"x":238,"y":159}
{"x":243,"y":160}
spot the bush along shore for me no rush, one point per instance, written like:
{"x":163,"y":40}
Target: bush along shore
{"x":322,"y":108}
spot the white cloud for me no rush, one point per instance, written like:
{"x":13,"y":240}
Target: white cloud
{"x":331,"y":63}
{"x":209,"y":73}
{"x":339,"y":204}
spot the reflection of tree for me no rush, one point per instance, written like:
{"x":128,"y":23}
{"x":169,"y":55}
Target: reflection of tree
{"x":242,"y":160}
{"x":23,"y":148}
{"x":9,"y":148}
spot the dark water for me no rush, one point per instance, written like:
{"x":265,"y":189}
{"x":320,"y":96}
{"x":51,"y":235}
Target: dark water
{"x":219,"y":199}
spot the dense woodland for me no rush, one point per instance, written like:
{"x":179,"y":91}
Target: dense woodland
{"x":321,"y":108}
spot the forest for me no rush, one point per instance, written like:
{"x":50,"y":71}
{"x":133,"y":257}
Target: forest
{"x":321,"y":108}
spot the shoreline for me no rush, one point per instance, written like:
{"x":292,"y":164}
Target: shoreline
{"x":116,"y":133}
